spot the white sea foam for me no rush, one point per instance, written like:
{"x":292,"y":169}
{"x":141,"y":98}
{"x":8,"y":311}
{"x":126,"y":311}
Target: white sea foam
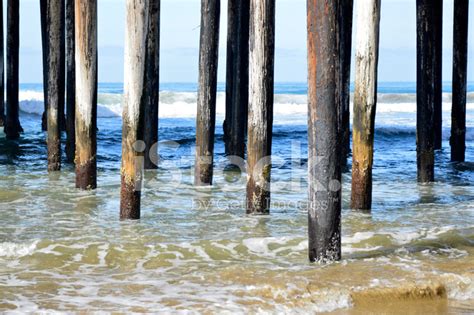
{"x":183,"y":104}
{"x":16,"y":250}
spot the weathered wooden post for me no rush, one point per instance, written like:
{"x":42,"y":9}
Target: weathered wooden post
{"x":70,"y":82}
{"x":260,"y":119}
{"x":324,"y":148}
{"x":62,"y":72}
{"x":2,"y":69}
{"x":438,"y":72}
{"x":135,"y":52}
{"x":54,"y":83}
{"x":45,"y":49}
{"x":12,"y":120}
{"x":86,"y":93}
{"x":365,"y":101}
{"x":237,"y":77}
{"x":425,"y":89}
{"x":206,"y":109}
{"x":345,"y":47}
{"x":460,"y":49}
{"x":152,"y":86}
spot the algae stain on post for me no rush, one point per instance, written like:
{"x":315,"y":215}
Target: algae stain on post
{"x":135,"y":51}
{"x":365,"y":100}
{"x":206,"y":109}
{"x":324,"y":145}
{"x":86,"y":93}
{"x":260,"y":115}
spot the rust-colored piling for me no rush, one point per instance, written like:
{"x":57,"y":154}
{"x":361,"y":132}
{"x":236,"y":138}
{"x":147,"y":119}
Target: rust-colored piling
{"x":460,"y":49}
{"x":44,"y":44}
{"x":12,"y":120}
{"x":365,"y":101}
{"x":324,"y":145}
{"x":344,"y":94}
{"x":55,"y":97}
{"x":86,"y":93}
{"x":206,"y":109}
{"x":260,"y":119}
{"x":132,"y":131}
{"x":237,"y":77}
{"x":425,"y":89}
{"x":2,"y":69}
{"x":152,"y":86}
{"x":70,"y":82}
{"x":438,"y":72}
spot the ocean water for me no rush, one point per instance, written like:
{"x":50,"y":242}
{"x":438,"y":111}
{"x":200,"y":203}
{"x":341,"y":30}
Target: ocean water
{"x":195,"y":250}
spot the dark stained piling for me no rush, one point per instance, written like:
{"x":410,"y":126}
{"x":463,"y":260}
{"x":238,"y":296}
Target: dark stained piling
{"x":132,"y":131}
{"x":152,"y":86}
{"x":70,"y":82}
{"x":44,"y":44}
{"x":86,"y":93}
{"x":62,"y":72}
{"x":2,"y":69}
{"x":55,"y":97}
{"x":460,"y":49}
{"x":425,"y":89}
{"x":12,"y":120}
{"x":344,"y":94}
{"x":260,"y":116}
{"x":438,"y":72}
{"x":237,"y":77}
{"x":206,"y":109}
{"x":365,"y":101}
{"x":324,"y":145}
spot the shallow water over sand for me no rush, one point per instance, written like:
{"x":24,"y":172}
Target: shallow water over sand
{"x":195,"y":249}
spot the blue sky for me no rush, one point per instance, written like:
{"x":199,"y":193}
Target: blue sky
{"x":180,"y":40}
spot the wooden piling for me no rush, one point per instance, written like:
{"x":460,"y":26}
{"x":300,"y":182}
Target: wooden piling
{"x":324,"y":145}
{"x":438,"y":72}
{"x":460,"y":61}
{"x":54,"y":83}
{"x":86,"y":93}
{"x":260,"y":116}
{"x":62,"y":72}
{"x":365,"y":101}
{"x":44,"y":44}
{"x":70,"y":82}
{"x":135,"y":52}
{"x":345,"y":47}
{"x":206,"y":109}
{"x":12,"y":120}
{"x":237,"y":77}
{"x":152,"y":86}
{"x":2,"y":69}
{"x":425,"y":89}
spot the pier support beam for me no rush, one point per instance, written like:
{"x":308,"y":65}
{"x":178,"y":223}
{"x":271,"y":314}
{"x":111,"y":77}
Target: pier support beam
{"x":460,"y":48}
{"x":425,"y":89}
{"x":45,"y":49}
{"x":206,"y":109}
{"x":86,"y":93}
{"x":70,"y":82}
{"x":324,"y":145}
{"x":345,"y":47}
{"x":237,"y":77}
{"x":365,"y":101}
{"x":438,"y":80}
{"x":2,"y":69}
{"x":135,"y":51}
{"x":152,"y":86}
{"x":260,"y":115}
{"x":55,"y":97}
{"x":12,"y":119}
